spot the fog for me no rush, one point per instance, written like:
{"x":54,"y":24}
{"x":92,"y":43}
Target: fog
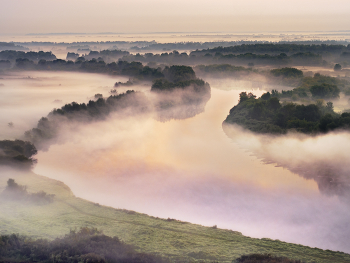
{"x":27,"y":96}
{"x":323,"y":158}
{"x":186,"y":168}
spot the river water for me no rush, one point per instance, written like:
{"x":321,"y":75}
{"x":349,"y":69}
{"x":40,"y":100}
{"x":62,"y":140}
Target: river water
{"x":186,"y":169}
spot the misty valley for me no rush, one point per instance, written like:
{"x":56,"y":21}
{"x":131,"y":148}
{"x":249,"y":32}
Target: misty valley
{"x":139,"y":151}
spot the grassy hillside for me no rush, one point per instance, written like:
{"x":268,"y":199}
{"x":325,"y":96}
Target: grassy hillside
{"x":178,"y":240}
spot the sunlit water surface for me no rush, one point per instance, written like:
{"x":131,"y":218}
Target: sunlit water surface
{"x":184,"y":169}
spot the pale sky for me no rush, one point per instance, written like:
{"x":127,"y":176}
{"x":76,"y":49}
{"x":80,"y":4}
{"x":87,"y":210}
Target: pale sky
{"x":141,"y":16}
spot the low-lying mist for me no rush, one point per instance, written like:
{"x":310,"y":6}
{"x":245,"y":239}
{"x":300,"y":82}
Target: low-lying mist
{"x":27,"y":96}
{"x":189,"y":169}
{"x":323,"y":158}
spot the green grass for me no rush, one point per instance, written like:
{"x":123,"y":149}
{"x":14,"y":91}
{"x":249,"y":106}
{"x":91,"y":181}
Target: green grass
{"x":175,"y":239}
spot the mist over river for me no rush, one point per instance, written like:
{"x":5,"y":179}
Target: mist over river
{"x":186,"y":169}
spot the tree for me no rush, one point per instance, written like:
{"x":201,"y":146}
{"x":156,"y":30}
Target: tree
{"x":330,"y":105}
{"x":266,"y":96}
{"x":274,"y":103}
{"x":337,"y":67}
{"x":325,"y":90}
{"x":243,"y":96}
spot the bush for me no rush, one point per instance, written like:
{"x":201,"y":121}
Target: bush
{"x":337,"y":67}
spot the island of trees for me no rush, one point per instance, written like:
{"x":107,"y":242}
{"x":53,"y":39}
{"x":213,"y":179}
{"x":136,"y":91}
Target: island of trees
{"x":268,"y":115}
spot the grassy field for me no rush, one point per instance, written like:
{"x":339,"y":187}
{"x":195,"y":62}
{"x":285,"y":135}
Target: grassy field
{"x":180,"y":241}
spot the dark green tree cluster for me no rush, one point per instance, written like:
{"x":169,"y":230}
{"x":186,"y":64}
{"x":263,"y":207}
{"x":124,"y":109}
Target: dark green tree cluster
{"x":106,"y":54}
{"x":199,"y":57}
{"x":24,"y":63}
{"x":11,"y":46}
{"x":102,"y":107}
{"x":180,"y":94}
{"x":173,"y":58}
{"x":47,"y":128}
{"x":337,"y":67}
{"x":245,"y":58}
{"x":330,"y":122}
{"x":132,"y":69}
{"x":87,"y":245}
{"x":285,"y":76}
{"x":266,"y":59}
{"x":179,"y":73}
{"x":179,"y":77}
{"x":318,"y":79}
{"x":12,"y":55}
{"x":127,"y":84}
{"x":16,"y":192}
{"x":165,"y":85}
{"x":307,"y":58}
{"x":287,"y":73}
{"x":277,"y":48}
{"x":267,"y":115}
{"x":186,"y":45}
{"x":17,"y":153}
{"x":72,"y":56}
{"x":325,"y":90}
{"x":316,"y":87}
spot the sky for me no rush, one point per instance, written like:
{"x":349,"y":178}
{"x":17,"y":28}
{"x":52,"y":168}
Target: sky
{"x":140,"y":16}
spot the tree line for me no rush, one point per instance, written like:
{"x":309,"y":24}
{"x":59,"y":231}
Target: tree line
{"x":277,"y":47}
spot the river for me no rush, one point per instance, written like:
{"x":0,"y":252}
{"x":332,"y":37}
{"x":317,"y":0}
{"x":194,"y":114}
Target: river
{"x":186,"y":169}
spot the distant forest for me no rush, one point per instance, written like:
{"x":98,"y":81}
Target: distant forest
{"x":153,"y":45}
{"x":282,"y":54}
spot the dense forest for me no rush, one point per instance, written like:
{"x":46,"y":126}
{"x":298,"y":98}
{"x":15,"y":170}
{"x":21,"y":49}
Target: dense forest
{"x":177,"y":77}
{"x":11,"y":46}
{"x":154,"y":45}
{"x":272,"y":47}
{"x":274,"y":54}
{"x":267,"y":115}
{"x":253,"y":54}
{"x":175,"y":57}
{"x":310,"y":88}
{"x":30,"y":55}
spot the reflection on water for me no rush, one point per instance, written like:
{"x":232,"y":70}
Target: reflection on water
{"x":190,"y":170}
{"x":323,"y":158}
